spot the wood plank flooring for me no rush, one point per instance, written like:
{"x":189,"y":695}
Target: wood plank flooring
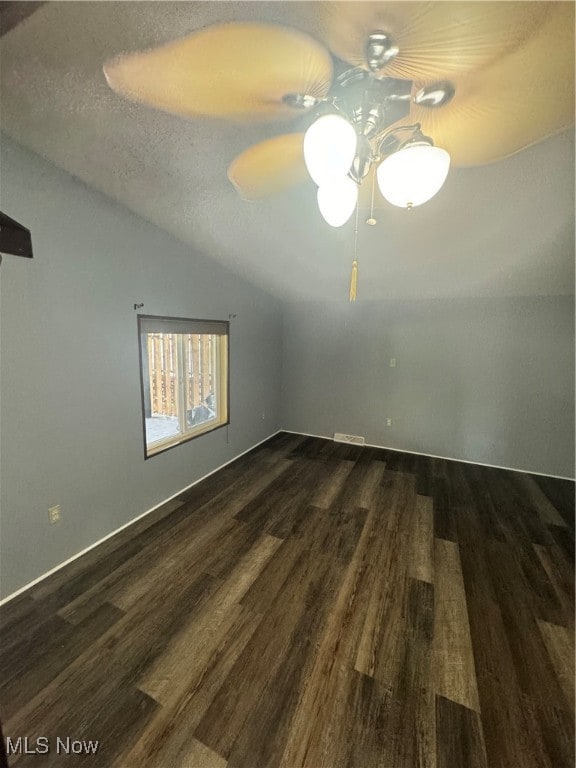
{"x":312,"y":604}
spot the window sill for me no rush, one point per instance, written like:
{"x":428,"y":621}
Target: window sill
{"x":166,"y":445}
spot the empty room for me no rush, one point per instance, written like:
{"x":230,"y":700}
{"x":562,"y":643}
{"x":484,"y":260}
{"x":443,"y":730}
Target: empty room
{"x":287,"y":384}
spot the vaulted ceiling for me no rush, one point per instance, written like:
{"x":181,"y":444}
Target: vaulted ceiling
{"x":498,"y":230}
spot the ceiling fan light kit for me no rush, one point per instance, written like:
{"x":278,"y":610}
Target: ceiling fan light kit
{"x":363,"y":130}
{"x":410,"y":175}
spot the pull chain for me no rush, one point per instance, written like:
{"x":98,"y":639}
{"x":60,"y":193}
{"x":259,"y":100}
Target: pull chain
{"x":372,"y":221}
{"x":354,"y":275}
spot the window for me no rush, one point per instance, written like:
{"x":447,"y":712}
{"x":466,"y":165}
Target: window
{"x":184,"y":377}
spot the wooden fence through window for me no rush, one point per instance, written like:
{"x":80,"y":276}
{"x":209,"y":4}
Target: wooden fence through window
{"x":196,"y":369}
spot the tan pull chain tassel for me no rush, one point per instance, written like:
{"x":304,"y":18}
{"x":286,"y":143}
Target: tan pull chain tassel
{"x":353,"y":280}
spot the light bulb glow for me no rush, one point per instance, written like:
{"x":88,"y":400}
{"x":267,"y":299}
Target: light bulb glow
{"x":329,"y":148}
{"x":337,"y":201}
{"x":413,"y":175}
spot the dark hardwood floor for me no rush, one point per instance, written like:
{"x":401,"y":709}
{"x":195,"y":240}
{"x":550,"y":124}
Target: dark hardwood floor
{"x":312,"y":604}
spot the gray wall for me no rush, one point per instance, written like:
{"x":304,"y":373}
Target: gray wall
{"x":490,"y":381}
{"x":70,"y":409}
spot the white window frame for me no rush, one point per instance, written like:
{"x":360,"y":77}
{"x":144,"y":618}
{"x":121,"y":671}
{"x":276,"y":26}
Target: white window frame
{"x":183,"y":326}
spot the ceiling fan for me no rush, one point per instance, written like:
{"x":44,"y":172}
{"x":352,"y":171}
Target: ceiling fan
{"x":392,"y":89}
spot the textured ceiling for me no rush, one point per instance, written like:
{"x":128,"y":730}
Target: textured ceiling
{"x":499,"y":230}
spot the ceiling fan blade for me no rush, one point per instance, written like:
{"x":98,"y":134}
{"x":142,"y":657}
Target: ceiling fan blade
{"x":269,"y":167}
{"x":520,"y":100}
{"x":435,"y":39}
{"x":236,"y":71}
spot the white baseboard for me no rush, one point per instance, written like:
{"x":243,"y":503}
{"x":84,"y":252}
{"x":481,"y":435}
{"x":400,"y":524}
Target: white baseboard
{"x":131,"y":522}
{"x":434,"y":456}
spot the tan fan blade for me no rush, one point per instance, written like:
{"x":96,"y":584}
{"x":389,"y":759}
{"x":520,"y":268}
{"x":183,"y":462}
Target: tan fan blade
{"x":231,"y":70}
{"x":270,"y":166}
{"x":521,"y":99}
{"x":435,"y":39}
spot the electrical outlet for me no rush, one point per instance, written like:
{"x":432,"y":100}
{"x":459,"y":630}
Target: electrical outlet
{"x":263,"y":415}
{"x":54,"y":514}
{"x":388,"y":422}
{"x":392,"y":362}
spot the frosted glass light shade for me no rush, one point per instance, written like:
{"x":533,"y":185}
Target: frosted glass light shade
{"x":413,"y":175}
{"x":329,"y":148}
{"x":338,"y":200}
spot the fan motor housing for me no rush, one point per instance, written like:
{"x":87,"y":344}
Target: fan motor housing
{"x":372,"y":103}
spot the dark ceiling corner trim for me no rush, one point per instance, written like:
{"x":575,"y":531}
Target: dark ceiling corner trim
{"x":12,"y":13}
{"x":15,"y":238}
